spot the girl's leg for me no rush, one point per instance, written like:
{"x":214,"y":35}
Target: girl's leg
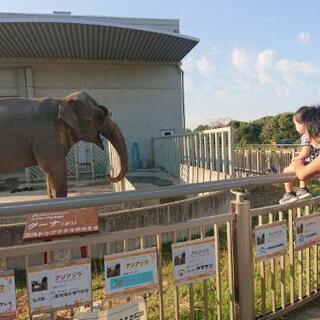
{"x":288,"y":186}
{"x":303,"y":185}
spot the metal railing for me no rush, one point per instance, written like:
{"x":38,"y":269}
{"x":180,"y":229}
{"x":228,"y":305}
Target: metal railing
{"x":96,"y":163}
{"x":291,"y":280}
{"x":249,"y":162}
{"x":211,"y":149}
{"x":237,"y":289}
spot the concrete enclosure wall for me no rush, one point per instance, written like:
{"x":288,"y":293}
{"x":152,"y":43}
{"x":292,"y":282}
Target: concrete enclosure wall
{"x":144,"y":98}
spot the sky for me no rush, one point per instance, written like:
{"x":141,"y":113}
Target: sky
{"x":254,"y":58}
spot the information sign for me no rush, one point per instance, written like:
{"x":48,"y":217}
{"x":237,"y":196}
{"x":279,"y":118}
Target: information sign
{"x":7,"y":295}
{"x":131,"y":273}
{"x":307,"y":231}
{"x":193,"y":260}
{"x":73,"y":222}
{"x":271,"y":240}
{"x":59,"y":286}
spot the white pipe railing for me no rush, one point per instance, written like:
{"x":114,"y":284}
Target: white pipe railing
{"x":210,"y":149}
{"x":22,"y":208}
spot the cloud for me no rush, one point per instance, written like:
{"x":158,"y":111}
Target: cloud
{"x":188,"y":85}
{"x":307,"y":68}
{"x":264,"y":62}
{"x":303,"y":38}
{"x":283,"y":90}
{"x":292,"y":71}
{"x":204,"y":66}
{"x":188,"y":64}
{"x":239,"y":59}
{"x":226,"y":81}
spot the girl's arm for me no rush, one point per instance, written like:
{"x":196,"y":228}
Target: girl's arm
{"x":305,"y":151}
{"x":305,"y":172}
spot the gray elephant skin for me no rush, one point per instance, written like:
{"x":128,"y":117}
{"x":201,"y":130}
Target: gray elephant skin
{"x":42,"y":131}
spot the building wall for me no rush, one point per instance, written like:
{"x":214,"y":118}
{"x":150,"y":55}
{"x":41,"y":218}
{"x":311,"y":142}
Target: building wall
{"x":144,"y":98}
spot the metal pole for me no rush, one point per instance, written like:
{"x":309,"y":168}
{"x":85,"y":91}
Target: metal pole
{"x":243,"y":260}
{"x":25,"y":207}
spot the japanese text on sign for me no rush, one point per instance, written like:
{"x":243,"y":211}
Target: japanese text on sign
{"x":7,"y":295}
{"x":131,"y":272}
{"x":60,"y":285}
{"x":271,"y":240}
{"x":193,"y":260}
{"x":63,"y":223}
{"x":307,"y":231}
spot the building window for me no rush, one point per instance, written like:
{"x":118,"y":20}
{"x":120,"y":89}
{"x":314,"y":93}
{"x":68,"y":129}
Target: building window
{"x":167,"y":132}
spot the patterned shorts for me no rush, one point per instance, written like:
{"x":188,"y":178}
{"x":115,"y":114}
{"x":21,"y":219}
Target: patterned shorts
{"x":314,"y":153}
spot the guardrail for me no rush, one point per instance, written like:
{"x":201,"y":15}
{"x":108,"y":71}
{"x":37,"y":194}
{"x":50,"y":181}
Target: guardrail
{"x":249,"y":162}
{"x":95,"y":162}
{"x":211,"y":149}
{"x":238,"y":288}
{"x":290,"y":280}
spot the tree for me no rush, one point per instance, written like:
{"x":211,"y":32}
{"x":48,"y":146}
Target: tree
{"x":201,"y":127}
{"x":278,"y":127}
{"x":220,"y":123}
{"x":248,"y":133}
{"x":262,"y":130}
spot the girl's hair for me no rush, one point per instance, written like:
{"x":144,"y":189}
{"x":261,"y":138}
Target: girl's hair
{"x":299,"y":115}
{"x":311,"y":119}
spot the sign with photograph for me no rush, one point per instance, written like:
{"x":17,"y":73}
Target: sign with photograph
{"x":135,"y":309}
{"x":8,"y":305}
{"x":271,"y":240}
{"x":133,"y":272}
{"x":193,"y":260}
{"x":307,"y":231}
{"x":48,"y":225}
{"x":59,"y":286}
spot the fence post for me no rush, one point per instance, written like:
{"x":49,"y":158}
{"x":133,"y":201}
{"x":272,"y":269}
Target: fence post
{"x":231,"y":157}
{"x":28,"y":175}
{"x":243,"y":259}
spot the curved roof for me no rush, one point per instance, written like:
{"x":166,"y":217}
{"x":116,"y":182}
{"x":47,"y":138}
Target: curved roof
{"x":94,"y":38}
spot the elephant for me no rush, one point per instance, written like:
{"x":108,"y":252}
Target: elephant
{"x":41,"y":131}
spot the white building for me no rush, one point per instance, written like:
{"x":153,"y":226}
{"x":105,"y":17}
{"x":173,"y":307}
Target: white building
{"x":130,"y":65}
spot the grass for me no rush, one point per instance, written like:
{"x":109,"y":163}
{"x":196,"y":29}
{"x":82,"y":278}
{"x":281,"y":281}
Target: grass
{"x":169,"y":289}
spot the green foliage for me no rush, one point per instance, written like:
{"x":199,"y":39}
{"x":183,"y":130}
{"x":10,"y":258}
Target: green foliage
{"x":248,"y":133}
{"x":278,"y":127}
{"x":266,"y":129}
{"x":201,"y":127}
{"x":263,"y":130}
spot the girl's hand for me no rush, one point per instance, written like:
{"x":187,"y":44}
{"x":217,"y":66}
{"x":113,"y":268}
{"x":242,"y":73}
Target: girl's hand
{"x":297,"y":163}
{"x":297,"y":158}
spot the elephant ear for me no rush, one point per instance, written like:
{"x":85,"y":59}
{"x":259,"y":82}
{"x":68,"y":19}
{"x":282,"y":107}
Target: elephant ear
{"x":67,"y":115}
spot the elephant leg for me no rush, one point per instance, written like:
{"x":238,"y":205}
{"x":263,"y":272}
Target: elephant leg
{"x":56,"y":173}
{"x":49,"y":187}
{"x":58,"y":180}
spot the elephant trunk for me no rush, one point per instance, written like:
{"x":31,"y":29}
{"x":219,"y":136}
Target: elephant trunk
{"x":112,"y":132}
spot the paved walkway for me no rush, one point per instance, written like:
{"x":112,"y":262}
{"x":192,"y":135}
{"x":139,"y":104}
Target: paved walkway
{"x":75,"y":188}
